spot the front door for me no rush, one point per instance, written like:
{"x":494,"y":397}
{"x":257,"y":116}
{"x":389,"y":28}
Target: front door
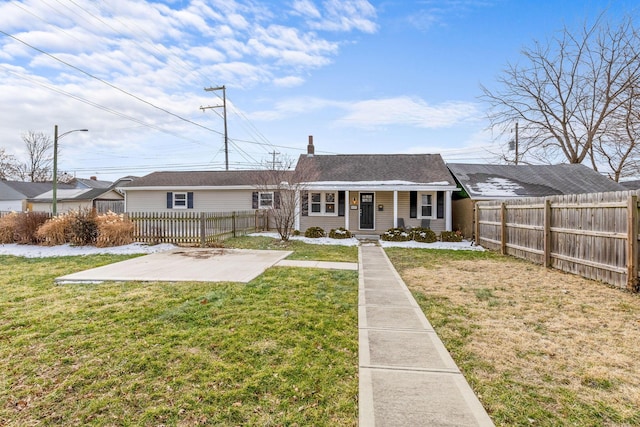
{"x":366,"y":211}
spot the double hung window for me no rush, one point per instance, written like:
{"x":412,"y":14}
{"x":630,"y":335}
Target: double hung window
{"x":427,"y":205}
{"x":323,"y":203}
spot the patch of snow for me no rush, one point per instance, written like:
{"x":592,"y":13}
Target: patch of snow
{"x":456,"y":246}
{"x":35,"y":251}
{"x":319,"y":241}
{"x":496,"y":187}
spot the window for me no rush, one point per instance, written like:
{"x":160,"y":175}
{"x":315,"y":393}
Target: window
{"x":323,"y":203}
{"x":426,"y":205}
{"x":266,"y":200}
{"x":180,"y":200}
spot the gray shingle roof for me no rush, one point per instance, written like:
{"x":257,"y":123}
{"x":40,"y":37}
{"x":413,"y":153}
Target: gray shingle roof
{"x":631,"y":185}
{"x":502,"y":181}
{"x":417,"y":168}
{"x":197,"y":179}
{"x":27,"y":189}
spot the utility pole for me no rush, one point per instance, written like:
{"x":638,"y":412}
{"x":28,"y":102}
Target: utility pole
{"x":274,"y":153}
{"x":515,"y":145}
{"x":224,"y":116}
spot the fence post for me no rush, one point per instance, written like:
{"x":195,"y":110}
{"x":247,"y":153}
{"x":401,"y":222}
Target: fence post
{"x":233,"y":223}
{"x":547,"y":232}
{"x":503,"y":228}
{"x":476,"y":224}
{"x":203,"y":228}
{"x":632,"y":243}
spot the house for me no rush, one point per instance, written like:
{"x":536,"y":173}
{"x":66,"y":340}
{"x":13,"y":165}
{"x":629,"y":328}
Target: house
{"x":68,"y":199}
{"x":197,"y":191}
{"x":370,"y":193}
{"x":496,"y":182}
{"x":367,"y":193}
{"x":14,"y":195}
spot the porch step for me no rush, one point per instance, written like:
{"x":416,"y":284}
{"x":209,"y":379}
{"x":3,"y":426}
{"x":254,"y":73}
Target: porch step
{"x":368,"y":238}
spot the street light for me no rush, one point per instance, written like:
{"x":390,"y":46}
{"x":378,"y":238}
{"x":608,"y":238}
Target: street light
{"x":56,"y":137}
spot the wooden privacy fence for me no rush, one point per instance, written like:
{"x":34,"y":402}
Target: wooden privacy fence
{"x":194,"y":228}
{"x":593,"y":235}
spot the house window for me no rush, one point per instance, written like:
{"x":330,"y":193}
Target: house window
{"x":180,"y":200}
{"x":266,"y":200}
{"x":426,"y":205}
{"x":323,"y":203}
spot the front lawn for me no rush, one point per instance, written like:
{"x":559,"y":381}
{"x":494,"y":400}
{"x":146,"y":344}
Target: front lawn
{"x":280,"y":350}
{"x":302,"y":250}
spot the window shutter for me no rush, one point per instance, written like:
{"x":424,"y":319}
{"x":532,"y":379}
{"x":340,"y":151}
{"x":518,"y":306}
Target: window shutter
{"x":341,"y":203}
{"x":169,"y":200}
{"x":190,"y":200}
{"x":254,"y":200}
{"x":276,"y":200}
{"x":413,"y":204}
{"x":440,"y":204}
{"x":305,"y":203}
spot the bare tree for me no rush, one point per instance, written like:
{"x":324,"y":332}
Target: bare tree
{"x":568,"y":95}
{"x":618,"y":147}
{"x":39,"y":164}
{"x":280,"y":189}
{"x":8,"y":165}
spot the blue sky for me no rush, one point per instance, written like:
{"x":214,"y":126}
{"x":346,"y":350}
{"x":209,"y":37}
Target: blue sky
{"x":389,"y":76}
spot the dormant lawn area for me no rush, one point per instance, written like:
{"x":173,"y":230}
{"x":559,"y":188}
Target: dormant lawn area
{"x":281,"y":350}
{"x":540,"y":347}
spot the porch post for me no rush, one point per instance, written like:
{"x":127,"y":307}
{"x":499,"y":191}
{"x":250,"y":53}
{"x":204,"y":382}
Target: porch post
{"x":296,"y":211}
{"x":347,"y":209}
{"x":448,"y":218}
{"x":395,"y":208}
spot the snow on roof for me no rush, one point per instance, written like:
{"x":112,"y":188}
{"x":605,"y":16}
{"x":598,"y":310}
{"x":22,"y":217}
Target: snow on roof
{"x":496,"y":187}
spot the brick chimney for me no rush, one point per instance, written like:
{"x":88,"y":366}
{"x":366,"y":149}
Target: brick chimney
{"x":93,"y":178}
{"x":310,"y":148}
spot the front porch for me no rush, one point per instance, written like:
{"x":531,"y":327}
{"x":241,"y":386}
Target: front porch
{"x":372,"y":211}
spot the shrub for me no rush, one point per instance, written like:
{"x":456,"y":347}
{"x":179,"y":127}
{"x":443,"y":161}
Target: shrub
{"x":314,"y":232}
{"x":114,"y":230}
{"x":27,"y":225}
{"x":396,"y":235}
{"x":8,"y":224}
{"x":451,"y":236}
{"x":84,"y":228}
{"x":423,"y":235}
{"x":57,"y":230}
{"x":340,"y":233}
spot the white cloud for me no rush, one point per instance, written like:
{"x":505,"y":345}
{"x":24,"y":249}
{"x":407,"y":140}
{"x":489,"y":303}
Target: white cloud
{"x":289,"y":81}
{"x":340,"y":15}
{"x":407,"y":111}
{"x":306,"y":8}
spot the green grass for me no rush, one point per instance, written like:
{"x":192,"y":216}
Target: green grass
{"x":280,"y":350}
{"x":302,"y":251}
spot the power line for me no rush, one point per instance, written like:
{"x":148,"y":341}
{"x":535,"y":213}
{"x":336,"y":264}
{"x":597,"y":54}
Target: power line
{"x":107,"y":83}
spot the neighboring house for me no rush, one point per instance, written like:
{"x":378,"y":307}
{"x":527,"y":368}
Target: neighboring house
{"x":362,"y":193}
{"x":203,"y":191}
{"x":14,"y":195}
{"x":81,"y":193}
{"x":497,"y":182}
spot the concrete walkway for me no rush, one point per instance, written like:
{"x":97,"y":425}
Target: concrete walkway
{"x":407,"y":377}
